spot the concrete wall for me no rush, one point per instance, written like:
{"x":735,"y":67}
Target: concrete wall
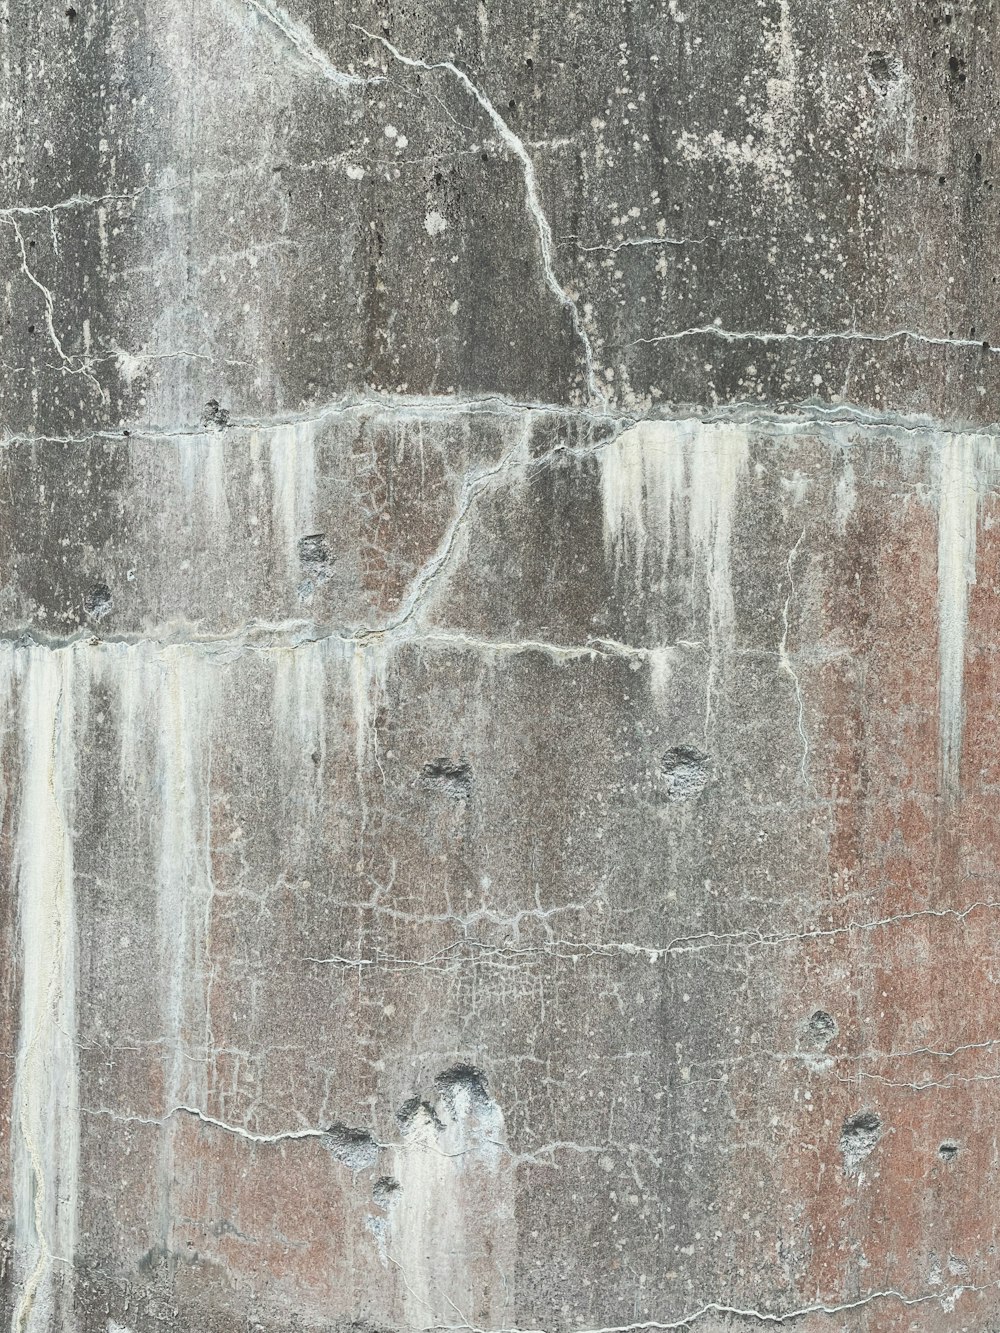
{"x":499,"y":574}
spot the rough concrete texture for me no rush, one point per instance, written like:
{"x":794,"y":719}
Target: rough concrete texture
{"x":499,"y":568}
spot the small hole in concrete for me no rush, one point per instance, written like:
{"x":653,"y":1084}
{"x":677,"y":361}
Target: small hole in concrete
{"x":98,"y":601}
{"x":356,"y":1148}
{"x":685,"y":772}
{"x":215,"y":414}
{"x":883,"y":70}
{"x":822,"y":1027}
{"x":385,"y":1189}
{"x":450,"y":776}
{"x":858,"y":1137}
{"x":948,"y":1150}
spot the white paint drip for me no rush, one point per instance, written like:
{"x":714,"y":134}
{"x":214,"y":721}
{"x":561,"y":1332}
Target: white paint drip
{"x":451,"y":1224}
{"x":300,"y":729}
{"x":367,"y":667}
{"x":657,"y":477}
{"x":787,"y":665}
{"x":642,"y":476}
{"x":46,"y":1101}
{"x":963,"y":461}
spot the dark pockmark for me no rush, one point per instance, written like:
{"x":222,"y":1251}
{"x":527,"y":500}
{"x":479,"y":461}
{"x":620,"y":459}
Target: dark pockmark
{"x":883,"y":69}
{"x":316,"y":558}
{"x":821,"y":1028}
{"x":463,"y":1078}
{"x":685,"y":772}
{"x":948,"y":1150}
{"x":858,"y":1137}
{"x":356,"y":1148}
{"x":385,"y":1190}
{"x":71,"y":14}
{"x":449,"y":776}
{"x":98,"y":602}
{"x":411,"y":1108}
{"x":215,"y":414}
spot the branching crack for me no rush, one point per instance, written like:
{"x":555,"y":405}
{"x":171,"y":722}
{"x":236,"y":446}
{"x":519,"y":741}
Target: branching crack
{"x":68,"y":366}
{"x":302,"y":42}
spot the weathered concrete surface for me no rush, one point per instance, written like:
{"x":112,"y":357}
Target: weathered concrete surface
{"x":498,"y":646}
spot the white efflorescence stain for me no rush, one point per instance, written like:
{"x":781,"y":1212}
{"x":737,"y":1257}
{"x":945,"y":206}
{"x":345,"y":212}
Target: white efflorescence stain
{"x":292,"y":456}
{"x":664,"y":481}
{"x":202,"y":469}
{"x":966,"y":465}
{"x":167,"y":701}
{"x":451,"y":1230}
{"x":46,"y":1134}
{"x":769,"y":149}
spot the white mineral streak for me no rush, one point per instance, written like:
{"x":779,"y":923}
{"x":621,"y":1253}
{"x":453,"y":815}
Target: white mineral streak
{"x":292,"y":451}
{"x":661,"y":480}
{"x":167,"y":712}
{"x":451,"y":1226}
{"x":46,"y":1137}
{"x":367,"y":668}
{"x":300,"y":729}
{"x":964,"y":462}
{"x":299,"y":699}
{"x":202,"y":461}
{"x":845,"y":496}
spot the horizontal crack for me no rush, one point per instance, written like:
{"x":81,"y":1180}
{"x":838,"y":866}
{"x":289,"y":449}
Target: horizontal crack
{"x":836,"y":335}
{"x":787,"y":419}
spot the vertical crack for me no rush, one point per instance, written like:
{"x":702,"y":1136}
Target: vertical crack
{"x":532,"y":200}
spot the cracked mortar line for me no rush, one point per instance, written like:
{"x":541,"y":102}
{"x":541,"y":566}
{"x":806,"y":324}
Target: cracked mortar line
{"x":422,"y":583}
{"x":532,"y":199}
{"x":261,"y":637}
{"x":638,"y":241}
{"x":75,"y":201}
{"x":926,"y":1085}
{"x":796,"y":417}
